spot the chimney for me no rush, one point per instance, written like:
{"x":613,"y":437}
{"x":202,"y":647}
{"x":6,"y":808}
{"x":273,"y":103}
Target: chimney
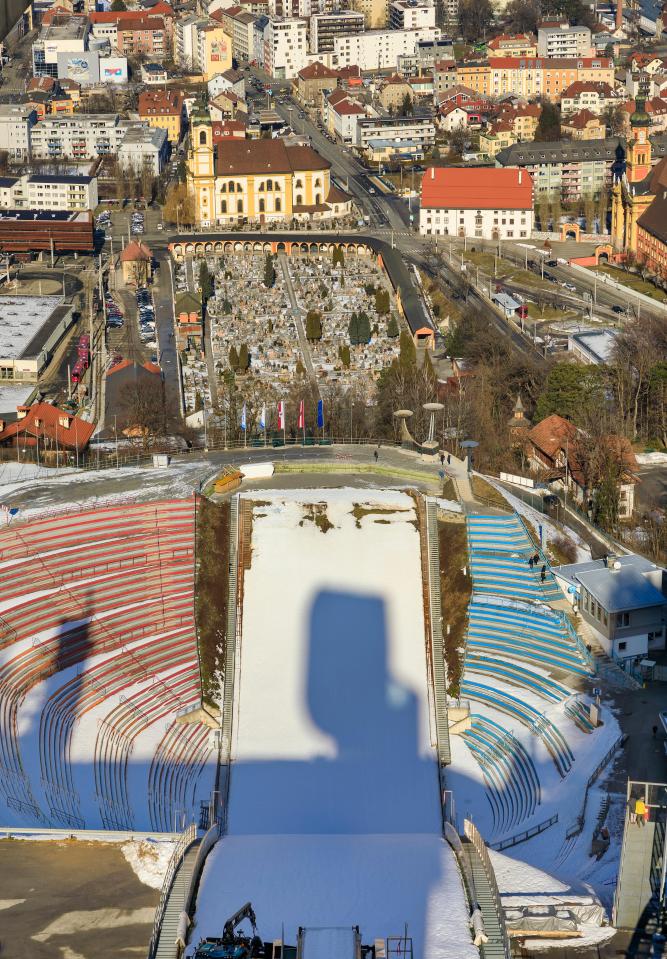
{"x":619,"y":14}
{"x":433,"y":173}
{"x":520,"y":177}
{"x":22,"y":412}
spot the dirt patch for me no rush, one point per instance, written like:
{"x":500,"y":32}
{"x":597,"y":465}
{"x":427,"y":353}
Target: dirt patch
{"x":211,"y":591}
{"x":317,"y":513}
{"x":486,"y":493}
{"x":359,"y":511}
{"x":449,"y":490}
{"x":455,"y":592}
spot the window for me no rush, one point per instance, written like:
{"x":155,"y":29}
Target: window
{"x":232,"y":187}
{"x":223,"y":206}
{"x":262,"y":205}
{"x":622,"y":646}
{"x":278,"y":207}
{"x":622,"y":619}
{"x":202,"y":138}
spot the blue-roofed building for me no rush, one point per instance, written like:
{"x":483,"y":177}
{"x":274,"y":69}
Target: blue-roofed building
{"x":623,"y":599}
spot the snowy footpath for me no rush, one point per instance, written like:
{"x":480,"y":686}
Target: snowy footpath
{"x":334,"y":815}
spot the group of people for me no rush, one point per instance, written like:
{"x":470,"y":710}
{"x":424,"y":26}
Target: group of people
{"x":534,"y":562}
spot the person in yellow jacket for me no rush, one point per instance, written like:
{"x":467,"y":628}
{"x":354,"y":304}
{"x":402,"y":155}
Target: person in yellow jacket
{"x":641,"y":811}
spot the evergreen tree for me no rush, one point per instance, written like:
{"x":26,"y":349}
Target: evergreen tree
{"x":338,"y":258}
{"x":392,"y":327}
{"x":233,"y":358}
{"x":344,"y":354}
{"x":353,"y":329}
{"x":407,"y":356}
{"x":269,"y":272}
{"x":205,"y":281}
{"x":364,"y":328}
{"x":244,"y":358}
{"x":407,"y":108}
{"x":313,"y":325}
{"x":570,"y":391}
{"x":382,"y":301}
{"x":548,"y":127}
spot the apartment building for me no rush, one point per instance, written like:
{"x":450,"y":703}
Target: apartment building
{"x":38,"y":192}
{"x":530,"y":79}
{"x":412,"y":136}
{"x":325,"y":27}
{"x":313,"y":80}
{"x":80,"y":137}
{"x":375,"y":12}
{"x":512,"y":45}
{"x":380,"y":49}
{"x":143,"y":148}
{"x":238,"y":24}
{"x":411,"y":14}
{"x":16,"y":124}
{"x":588,"y":95}
{"x":560,"y":40}
{"x":203,"y":45}
{"x":164,"y":110}
{"x":571,"y":170}
{"x":145,"y":37}
{"x":285,"y":47}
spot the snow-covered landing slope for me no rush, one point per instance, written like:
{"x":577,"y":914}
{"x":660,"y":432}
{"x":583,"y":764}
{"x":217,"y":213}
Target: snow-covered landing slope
{"x":334,"y":815}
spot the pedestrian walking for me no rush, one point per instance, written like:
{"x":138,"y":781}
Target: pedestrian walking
{"x":631,"y":811}
{"x":544,"y":570}
{"x":442,"y":459}
{"x":536,"y":559}
{"x":543,"y":576}
{"x":449,"y":459}
{"x":531,"y":562}
{"x":655,"y":731}
{"x":375,"y":454}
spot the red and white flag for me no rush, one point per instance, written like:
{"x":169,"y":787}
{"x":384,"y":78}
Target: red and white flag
{"x":302,"y":417}
{"x":281,"y":415}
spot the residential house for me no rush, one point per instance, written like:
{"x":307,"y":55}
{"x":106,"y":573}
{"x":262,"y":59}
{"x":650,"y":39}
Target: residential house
{"x":393,"y":92}
{"x":588,"y":95}
{"x":313,"y":81}
{"x":555,"y":449}
{"x":451,"y":117}
{"x":583,"y":126}
{"x":163,"y":109}
{"x":46,"y":429}
{"x":512,"y":45}
{"x":136,"y":261}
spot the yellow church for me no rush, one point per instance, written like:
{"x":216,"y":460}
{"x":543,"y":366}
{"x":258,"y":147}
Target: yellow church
{"x":258,"y":180}
{"x":634,"y":187}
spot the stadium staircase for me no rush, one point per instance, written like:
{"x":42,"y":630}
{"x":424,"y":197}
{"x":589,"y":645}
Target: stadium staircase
{"x":479,"y":875}
{"x":175,"y":891}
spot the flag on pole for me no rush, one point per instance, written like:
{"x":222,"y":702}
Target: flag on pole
{"x":302,"y":418}
{"x":243,"y":418}
{"x":320,"y":414}
{"x":262,"y":418}
{"x":281,"y":415}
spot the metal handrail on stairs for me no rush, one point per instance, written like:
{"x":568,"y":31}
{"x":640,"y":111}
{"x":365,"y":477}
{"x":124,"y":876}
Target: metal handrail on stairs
{"x":473,"y":835}
{"x":188,"y":836}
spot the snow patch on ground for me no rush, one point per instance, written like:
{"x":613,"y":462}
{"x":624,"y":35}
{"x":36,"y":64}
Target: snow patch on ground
{"x":149,"y":859}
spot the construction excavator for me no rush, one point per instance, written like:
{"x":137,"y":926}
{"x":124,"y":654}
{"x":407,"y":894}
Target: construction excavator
{"x":234,"y":944}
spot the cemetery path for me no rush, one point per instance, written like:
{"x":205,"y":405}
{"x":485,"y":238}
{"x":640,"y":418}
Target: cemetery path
{"x":298,"y":320}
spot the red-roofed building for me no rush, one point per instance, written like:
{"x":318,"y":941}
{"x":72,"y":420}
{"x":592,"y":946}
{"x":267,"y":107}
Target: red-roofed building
{"x":133,"y":32}
{"x":512,"y":45}
{"x":480,"y":202}
{"x":224,"y":130}
{"x":46,"y":428}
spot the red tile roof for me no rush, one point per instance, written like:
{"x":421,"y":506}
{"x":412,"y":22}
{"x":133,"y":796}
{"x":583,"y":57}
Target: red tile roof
{"x":552,"y":434}
{"x":588,"y":86}
{"x":45,"y":422}
{"x":581,"y":120}
{"x":484,"y":188}
{"x":317,"y":71}
{"x":135,"y":251}
{"x":160,"y":103}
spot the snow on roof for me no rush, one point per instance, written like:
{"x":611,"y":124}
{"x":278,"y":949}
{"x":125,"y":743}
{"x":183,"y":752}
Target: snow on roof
{"x":21,"y":318}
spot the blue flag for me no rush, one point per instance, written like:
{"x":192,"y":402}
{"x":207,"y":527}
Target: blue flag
{"x":320,"y":413}
{"x":243,"y":418}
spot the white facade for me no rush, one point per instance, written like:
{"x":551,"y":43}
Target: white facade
{"x":143,"y":147}
{"x":79,"y":137}
{"x":487,"y":224}
{"x":36,"y":192}
{"x":411,"y":14}
{"x":379,"y":49}
{"x":186,"y":45}
{"x":564,"y":41}
{"x":16,"y":123}
{"x":285,"y":47}
{"x":400,"y":131}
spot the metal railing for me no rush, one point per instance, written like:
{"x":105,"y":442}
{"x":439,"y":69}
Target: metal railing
{"x":188,"y":836}
{"x":473,"y":835}
{"x":524,"y":835}
{"x":578,"y":824}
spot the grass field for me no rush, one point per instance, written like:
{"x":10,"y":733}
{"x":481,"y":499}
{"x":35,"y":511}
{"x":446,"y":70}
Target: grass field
{"x":633,"y":282}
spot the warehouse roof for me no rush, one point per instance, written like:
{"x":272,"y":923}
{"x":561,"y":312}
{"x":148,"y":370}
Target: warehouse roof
{"x":482,"y":188}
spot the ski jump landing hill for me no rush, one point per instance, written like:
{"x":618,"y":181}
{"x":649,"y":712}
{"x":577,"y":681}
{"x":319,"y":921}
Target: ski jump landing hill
{"x":334,"y":815}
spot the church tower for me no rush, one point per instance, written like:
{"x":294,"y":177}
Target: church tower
{"x":638,"y":161}
{"x":201,"y":165}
